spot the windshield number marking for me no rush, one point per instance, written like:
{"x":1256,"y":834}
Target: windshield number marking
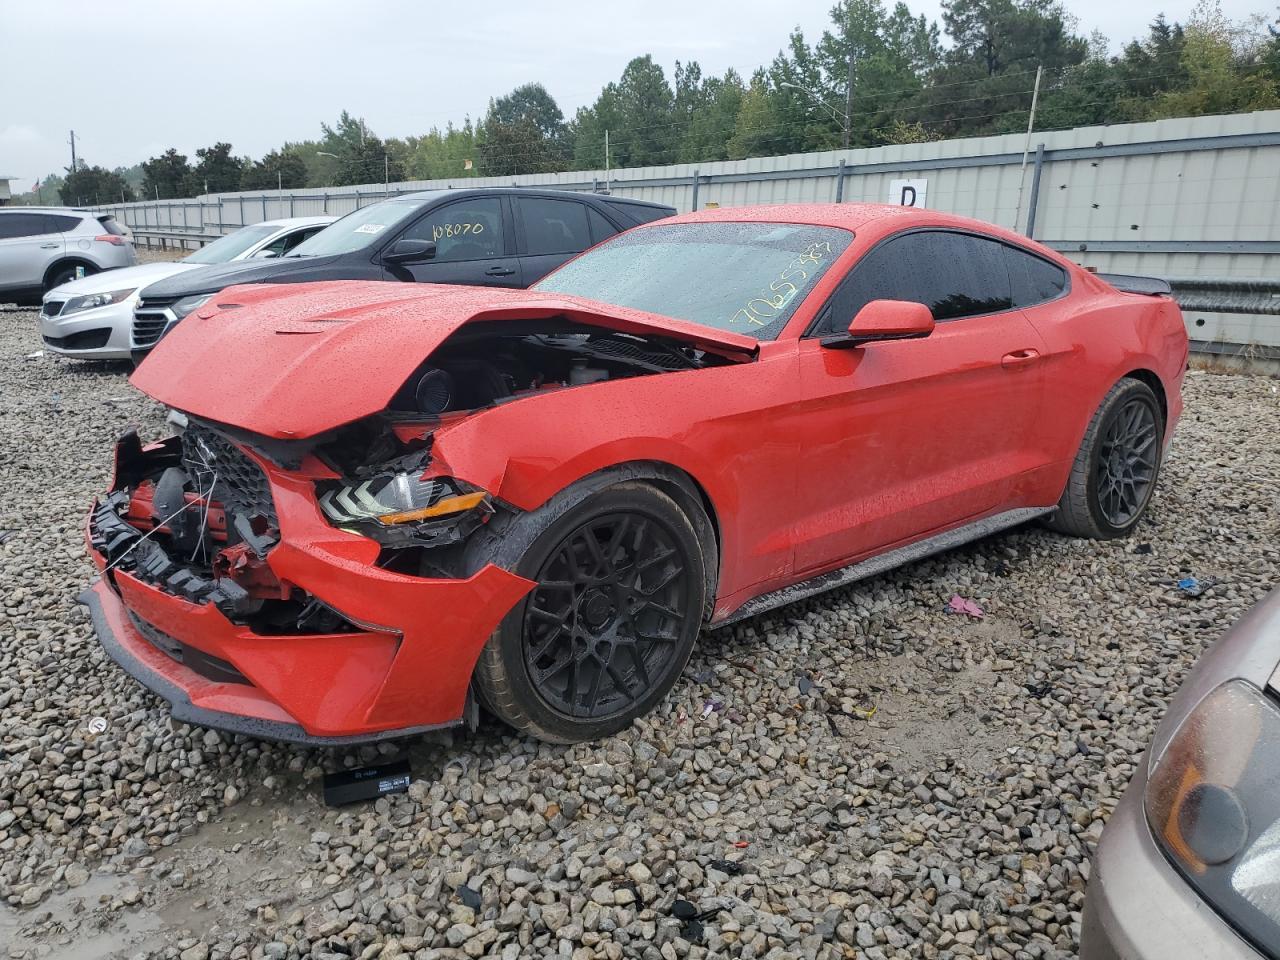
{"x":760,"y":310}
{"x":455,"y":230}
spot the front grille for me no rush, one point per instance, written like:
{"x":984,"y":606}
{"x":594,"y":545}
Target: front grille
{"x":205,"y":664}
{"x":84,"y":340}
{"x":150,"y":319}
{"x":238,"y":482}
{"x":52,"y":308}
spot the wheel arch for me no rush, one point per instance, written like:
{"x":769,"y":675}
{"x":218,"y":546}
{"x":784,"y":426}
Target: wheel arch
{"x":65,"y":261}
{"x":1152,"y":380}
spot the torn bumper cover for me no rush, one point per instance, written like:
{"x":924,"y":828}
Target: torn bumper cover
{"x":392,"y":654}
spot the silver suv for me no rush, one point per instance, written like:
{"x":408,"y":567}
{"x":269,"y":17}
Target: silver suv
{"x":44,"y":247}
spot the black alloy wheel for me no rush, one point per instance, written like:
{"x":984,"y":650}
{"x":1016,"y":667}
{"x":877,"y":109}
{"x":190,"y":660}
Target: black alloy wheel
{"x":620,"y":599}
{"x":1127,"y":462}
{"x":1114,"y":474}
{"x":608,"y":612}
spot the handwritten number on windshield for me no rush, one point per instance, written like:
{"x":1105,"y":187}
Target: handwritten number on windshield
{"x":758,"y":311}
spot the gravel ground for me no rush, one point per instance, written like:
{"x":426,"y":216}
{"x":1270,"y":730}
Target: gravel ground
{"x":861,"y":775}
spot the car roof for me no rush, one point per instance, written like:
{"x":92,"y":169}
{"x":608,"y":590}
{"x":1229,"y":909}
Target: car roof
{"x":62,"y":210}
{"x":426,"y":196}
{"x":282,"y":222}
{"x":886,"y":217}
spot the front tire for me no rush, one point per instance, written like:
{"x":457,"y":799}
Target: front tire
{"x":1115,"y":471}
{"x":610,"y":626}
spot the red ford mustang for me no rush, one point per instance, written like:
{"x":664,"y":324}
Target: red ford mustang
{"x":388,"y":504}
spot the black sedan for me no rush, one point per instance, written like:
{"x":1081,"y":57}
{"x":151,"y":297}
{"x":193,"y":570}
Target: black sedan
{"x":497,"y":237}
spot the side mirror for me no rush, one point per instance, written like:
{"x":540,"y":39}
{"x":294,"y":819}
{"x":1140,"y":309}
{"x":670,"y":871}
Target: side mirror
{"x":410,"y":251}
{"x":265,"y":255}
{"x":885,"y":320}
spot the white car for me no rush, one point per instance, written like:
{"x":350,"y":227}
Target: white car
{"x":89,"y":319}
{"x":42,"y":247}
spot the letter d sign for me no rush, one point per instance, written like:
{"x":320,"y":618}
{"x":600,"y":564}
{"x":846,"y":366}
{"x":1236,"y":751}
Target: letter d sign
{"x":908,"y":193}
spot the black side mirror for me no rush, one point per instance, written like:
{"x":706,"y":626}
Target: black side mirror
{"x":410,"y":251}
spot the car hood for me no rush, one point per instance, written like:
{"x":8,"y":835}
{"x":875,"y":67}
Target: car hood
{"x":122,"y":279}
{"x":295,"y":360}
{"x":217,"y":276}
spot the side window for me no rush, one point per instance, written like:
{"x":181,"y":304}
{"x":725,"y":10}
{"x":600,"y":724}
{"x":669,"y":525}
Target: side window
{"x":1034,"y":280}
{"x":276,"y":246}
{"x":954,"y":274}
{"x":601,"y":229}
{"x":554,"y":226}
{"x":61,"y":224}
{"x":466,"y":230}
{"x":14,"y":225}
{"x":282,"y":245}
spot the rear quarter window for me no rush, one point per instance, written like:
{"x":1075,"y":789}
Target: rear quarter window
{"x":640,"y":212}
{"x":62,"y":224}
{"x":1033,"y":279}
{"x":110,"y":225}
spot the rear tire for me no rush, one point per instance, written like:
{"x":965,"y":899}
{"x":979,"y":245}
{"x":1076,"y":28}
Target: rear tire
{"x":1115,"y":471}
{"x":610,"y":626}
{"x":65,"y":273}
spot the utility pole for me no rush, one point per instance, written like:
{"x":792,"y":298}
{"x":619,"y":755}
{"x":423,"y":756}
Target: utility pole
{"x":73,"y":151}
{"x":386,"y":174}
{"x":606,"y":161}
{"x":848,"y":99}
{"x":1026,"y":146}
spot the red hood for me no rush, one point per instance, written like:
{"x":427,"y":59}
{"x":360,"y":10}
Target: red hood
{"x":293,"y":360}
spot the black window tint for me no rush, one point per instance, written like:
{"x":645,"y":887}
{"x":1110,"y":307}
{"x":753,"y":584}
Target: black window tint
{"x":61,"y":224}
{"x":554,"y":226}
{"x":955,"y":275}
{"x":601,"y":229}
{"x":24,"y":225}
{"x":466,"y":230}
{"x":1033,"y":280}
{"x":109,"y":224}
{"x":640,"y":212}
{"x":291,"y":240}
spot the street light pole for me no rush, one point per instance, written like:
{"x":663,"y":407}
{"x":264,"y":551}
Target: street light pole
{"x":848,"y":101}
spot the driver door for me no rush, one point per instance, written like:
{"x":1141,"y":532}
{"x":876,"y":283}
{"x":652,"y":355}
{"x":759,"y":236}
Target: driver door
{"x":473,"y":239}
{"x":904,"y":438}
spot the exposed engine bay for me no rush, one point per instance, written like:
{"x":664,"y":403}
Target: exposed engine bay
{"x":485,"y":364}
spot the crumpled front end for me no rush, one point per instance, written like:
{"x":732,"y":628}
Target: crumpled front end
{"x":254,"y":594}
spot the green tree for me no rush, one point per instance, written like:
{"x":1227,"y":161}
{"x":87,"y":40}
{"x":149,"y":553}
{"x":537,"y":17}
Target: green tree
{"x":167,"y":176}
{"x":94,"y":185}
{"x":638,"y":113}
{"x":705,"y":112}
{"x":523,"y":132}
{"x":216,"y":169}
{"x":279,"y":169}
{"x":359,"y":155}
{"x":443,"y":154}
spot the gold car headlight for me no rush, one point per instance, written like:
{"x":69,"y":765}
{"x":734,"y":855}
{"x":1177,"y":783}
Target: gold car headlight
{"x":1213,"y":804}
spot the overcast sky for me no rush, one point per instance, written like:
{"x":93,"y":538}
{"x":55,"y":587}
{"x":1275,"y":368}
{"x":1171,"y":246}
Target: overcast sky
{"x":135,"y":78}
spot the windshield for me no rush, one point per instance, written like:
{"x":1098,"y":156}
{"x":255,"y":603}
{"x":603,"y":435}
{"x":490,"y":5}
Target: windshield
{"x":356,"y":230}
{"x":744,"y":277}
{"x":225,"y":249}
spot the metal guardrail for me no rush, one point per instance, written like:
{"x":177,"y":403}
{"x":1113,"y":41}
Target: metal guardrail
{"x":1227,"y":295}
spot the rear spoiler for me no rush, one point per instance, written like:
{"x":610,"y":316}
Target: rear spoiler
{"x":1128,"y":283}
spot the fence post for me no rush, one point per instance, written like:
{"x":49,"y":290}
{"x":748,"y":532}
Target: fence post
{"x":291,"y":203}
{"x":1035,"y":192}
{"x":324,"y":202}
{"x":357,"y":198}
{"x":695,"y":190}
{"x":840,"y":182}
{"x":264,"y":206}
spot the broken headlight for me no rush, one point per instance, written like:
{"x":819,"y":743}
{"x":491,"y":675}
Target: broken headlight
{"x":404,"y":506}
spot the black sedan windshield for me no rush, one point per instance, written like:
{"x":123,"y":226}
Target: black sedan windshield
{"x":355,"y":231}
{"x":744,"y":277}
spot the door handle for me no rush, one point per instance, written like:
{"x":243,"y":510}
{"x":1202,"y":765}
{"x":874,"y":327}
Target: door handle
{"x":49,"y":246}
{"x":499,"y":272}
{"x":1020,"y":358}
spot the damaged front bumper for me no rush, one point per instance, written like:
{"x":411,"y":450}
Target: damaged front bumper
{"x":395,"y":654}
